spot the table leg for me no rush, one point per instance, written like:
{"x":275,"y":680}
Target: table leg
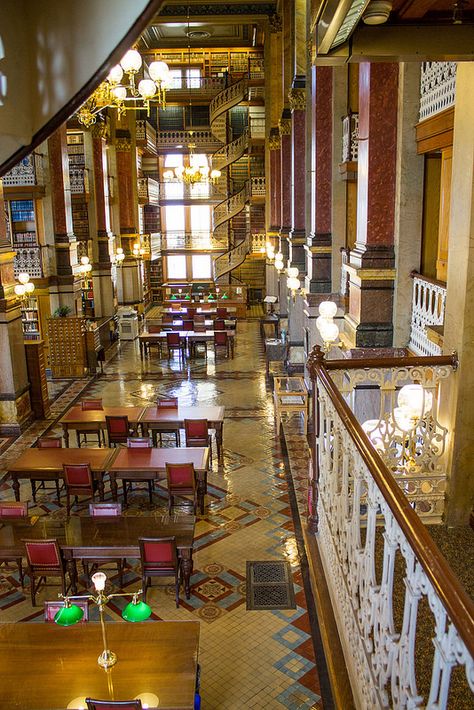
{"x":113,"y":486}
{"x":201,"y":490}
{"x":219,"y":437}
{"x":72,"y":569}
{"x":66,"y":435}
{"x":187,"y":570}
{"x":100,"y":485}
{"x":16,"y":487}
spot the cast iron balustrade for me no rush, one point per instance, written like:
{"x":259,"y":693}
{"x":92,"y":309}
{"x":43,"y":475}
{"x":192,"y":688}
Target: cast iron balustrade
{"x":428,"y":303}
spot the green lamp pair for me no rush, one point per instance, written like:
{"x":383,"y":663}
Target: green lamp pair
{"x":71,"y":614}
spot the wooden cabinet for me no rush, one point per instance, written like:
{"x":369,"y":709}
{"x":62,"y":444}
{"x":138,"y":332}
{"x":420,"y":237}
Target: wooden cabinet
{"x":67,"y":352}
{"x":36,"y":367}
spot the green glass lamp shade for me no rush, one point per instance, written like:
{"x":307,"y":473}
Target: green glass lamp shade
{"x":136,"y":611}
{"x":225,"y":296}
{"x":69,"y":615}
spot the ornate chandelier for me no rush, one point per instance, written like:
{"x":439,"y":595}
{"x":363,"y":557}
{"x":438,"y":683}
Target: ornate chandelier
{"x":112,"y":93}
{"x":192,"y":173}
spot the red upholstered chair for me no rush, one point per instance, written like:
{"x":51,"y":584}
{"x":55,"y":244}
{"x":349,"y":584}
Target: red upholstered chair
{"x":155,"y":343}
{"x":199,"y":318}
{"x":219,"y":324}
{"x":166,"y":403}
{"x":118,"y":429}
{"x":174,"y":343}
{"x":197,"y":434}
{"x":10,"y":510}
{"x":188,"y":325}
{"x":154,"y":328}
{"x":181,"y":482}
{"x":167,"y":318}
{"x":191,"y":312}
{"x":46,"y":442}
{"x":88,"y":405}
{"x":221,"y":312}
{"x":159,"y":558}
{"x":221,"y":340}
{"x":52,"y":608}
{"x":90,"y":565}
{"x":137,"y":443}
{"x":44,"y":560}
{"x":199,"y":327}
{"x":113,"y":704}
{"x":79,"y":482}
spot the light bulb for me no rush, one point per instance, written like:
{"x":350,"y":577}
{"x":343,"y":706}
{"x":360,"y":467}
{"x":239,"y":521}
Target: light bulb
{"x":84,"y":259}
{"x":98,"y":580}
{"x":23,"y":277}
{"x":215,"y":174}
{"x":87,"y":268}
{"x":293,"y":271}
{"x":119,"y":93}
{"x":131,"y":61}
{"x":19,"y":289}
{"x":414,"y":400}
{"x":29,"y":287}
{"x":147,"y":88}
{"x":329,"y":332}
{"x":159,"y":71}
{"x":115,"y":74}
{"x":327,"y":309}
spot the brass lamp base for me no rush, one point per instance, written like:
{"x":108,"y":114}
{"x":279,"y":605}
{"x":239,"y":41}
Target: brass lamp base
{"x":107,"y":659}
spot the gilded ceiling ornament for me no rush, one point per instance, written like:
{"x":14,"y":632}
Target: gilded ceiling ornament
{"x":284,"y":125}
{"x":100,"y":130}
{"x":297,"y":99}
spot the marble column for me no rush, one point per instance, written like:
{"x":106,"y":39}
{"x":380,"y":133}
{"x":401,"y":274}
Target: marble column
{"x":66,"y":289}
{"x":101,"y":266}
{"x":284,"y":126}
{"x":15,"y":405}
{"x":129,"y":284}
{"x":318,"y":242}
{"x":275,"y":181}
{"x":297,"y":100}
{"x":459,"y":314}
{"x":369,"y":322}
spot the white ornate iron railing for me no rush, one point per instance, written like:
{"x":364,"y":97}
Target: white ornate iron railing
{"x":79,"y":180}
{"x":202,"y":138}
{"x":257,"y":186}
{"x":428,"y":303}
{"x":257,"y":127}
{"x":177,"y":190}
{"x":350,"y":138}
{"x":148,"y":191}
{"x":437,"y":87}
{"x":258,"y":243}
{"x":145,"y":132}
{"x":194,"y":240}
{"x":28,"y":259}
{"x":232,"y":258}
{"x":221,"y":103}
{"x":29,"y":171}
{"x":198,"y":86}
{"x":367,"y":533}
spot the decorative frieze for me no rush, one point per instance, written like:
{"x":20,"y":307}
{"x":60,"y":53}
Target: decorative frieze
{"x":437,"y":87}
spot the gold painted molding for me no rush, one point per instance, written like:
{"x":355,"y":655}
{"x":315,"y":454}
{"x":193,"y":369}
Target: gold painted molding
{"x":284,"y":125}
{"x":100,"y":130}
{"x":123,"y":145}
{"x":370,"y":274}
{"x":274,"y":142}
{"x":297,"y":99}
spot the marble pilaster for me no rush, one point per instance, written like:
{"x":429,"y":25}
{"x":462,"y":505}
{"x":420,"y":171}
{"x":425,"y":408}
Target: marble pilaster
{"x":284,"y":126}
{"x":297,"y":101}
{"x":129,"y":284}
{"x":275,"y":180}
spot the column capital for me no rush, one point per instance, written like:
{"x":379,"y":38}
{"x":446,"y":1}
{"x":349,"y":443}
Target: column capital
{"x":297,"y":99}
{"x":276,"y":23}
{"x":274,"y":142}
{"x":284,"y":126}
{"x":100,"y":130}
{"x":123,"y":144}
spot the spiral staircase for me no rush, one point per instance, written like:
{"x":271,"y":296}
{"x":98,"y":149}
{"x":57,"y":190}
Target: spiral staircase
{"x":231,"y":151}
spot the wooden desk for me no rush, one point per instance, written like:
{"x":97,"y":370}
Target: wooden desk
{"x":44,"y":666}
{"x":164,"y":418}
{"x":104,"y":537}
{"x":150,"y":464}
{"x":290,"y":395}
{"x":77,"y":418}
{"x":47,"y":464}
{"x":189,"y":336}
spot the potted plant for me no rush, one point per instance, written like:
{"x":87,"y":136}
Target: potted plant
{"x":62,"y":312}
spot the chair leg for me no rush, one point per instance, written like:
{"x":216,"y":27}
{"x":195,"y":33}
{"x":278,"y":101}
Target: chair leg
{"x":170,"y":503}
{"x":120,"y":567}
{"x":68,"y":503}
{"x":125,"y":499}
{"x":20,"y":571}
{"x":33,"y":490}
{"x":150,"y":491}
{"x":58,"y":494}
{"x":176,"y":584}
{"x":144,"y":586}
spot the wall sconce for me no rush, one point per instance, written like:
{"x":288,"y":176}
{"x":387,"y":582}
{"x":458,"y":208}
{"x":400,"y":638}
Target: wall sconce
{"x":119,"y":256}
{"x":70,"y":614}
{"x":85,"y":266}
{"x":293,"y":282}
{"x":278,"y":263}
{"x":270,"y":249}
{"x":328,"y":329}
{"x":138,"y":251}
{"x":25,"y":288}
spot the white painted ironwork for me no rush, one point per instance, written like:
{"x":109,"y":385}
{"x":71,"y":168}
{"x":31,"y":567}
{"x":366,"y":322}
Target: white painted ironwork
{"x":79,"y":180}
{"x":170,"y":139}
{"x":427,"y":309}
{"x":257,"y":127}
{"x":380,"y":653}
{"x":350,"y":138}
{"x":29,"y":171}
{"x":437,"y":87}
{"x":198,"y":86}
{"x":416,"y":454}
{"x":257,"y":186}
{"x":195,"y":240}
{"x":28,"y":259}
{"x":145,"y":131}
{"x":148,"y":191}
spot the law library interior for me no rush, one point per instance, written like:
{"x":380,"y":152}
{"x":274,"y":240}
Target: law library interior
{"x":229,"y":356}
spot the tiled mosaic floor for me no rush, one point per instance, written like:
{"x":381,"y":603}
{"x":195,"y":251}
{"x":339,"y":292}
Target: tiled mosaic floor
{"x":249,"y":659}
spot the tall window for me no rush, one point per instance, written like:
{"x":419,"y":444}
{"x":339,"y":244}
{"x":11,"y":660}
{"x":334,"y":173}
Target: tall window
{"x":201,"y":264}
{"x":173,"y":190}
{"x":176,"y":265}
{"x":201,"y":219}
{"x":174,"y":218}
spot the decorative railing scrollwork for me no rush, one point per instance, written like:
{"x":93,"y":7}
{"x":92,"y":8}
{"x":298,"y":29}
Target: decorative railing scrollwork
{"x":227,"y":209}
{"x":350,"y":138}
{"x":28,"y":259}
{"x":437,"y":87}
{"x":232,"y":258}
{"x":368,"y":533}
{"x":428,"y":303}
{"x":230,"y":152}
{"x":222,"y":103}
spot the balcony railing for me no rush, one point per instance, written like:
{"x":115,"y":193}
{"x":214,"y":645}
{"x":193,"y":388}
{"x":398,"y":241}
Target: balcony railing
{"x":232,"y":258}
{"x":350,"y":138}
{"x":28,"y":259}
{"x":79,"y":180}
{"x":202,"y":138}
{"x":177,"y":190}
{"x":257,"y":186}
{"x":148,"y":191}
{"x":259,"y":243}
{"x":437,"y":87}
{"x":257,"y":128}
{"x":182,"y":87}
{"x":28,"y":172}
{"x":428,"y":302}
{"x":195,"y":240}
{"x":388,"y":582}
{"x":145,"y":135}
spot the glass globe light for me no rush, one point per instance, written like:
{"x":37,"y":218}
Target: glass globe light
{"x":147,"y":88}
{"x":329,"y":332}
{"x":84,"y":259}
{"x":115,"y":74}
{"x":215,"y":174}
{"x":279,"y":256}
{"x":29,"y":287}
{"x":327,"y":309}
{"x":19,"y":289}
{"x":159,"y":71}
{"x":414,"y":401}
{"x":23,"y":277}
{"x":293,"y":271}
{"x":119,"y":93}
{"x":131,"y":61}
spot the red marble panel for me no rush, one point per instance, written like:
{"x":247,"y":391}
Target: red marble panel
{"x":59,"y":177}
{"x":285,"y":154}
{"x":99,"y":183}
{"x":275,"y":196}
{"x":323,"y":119}
{"x":126,"y":191}
{"x":298,"y":149}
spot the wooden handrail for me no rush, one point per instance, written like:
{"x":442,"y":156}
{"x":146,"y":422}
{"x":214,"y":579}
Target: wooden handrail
{"x":408,"y":361}
{"x":456,"y":601}
{"x":415,"y":274}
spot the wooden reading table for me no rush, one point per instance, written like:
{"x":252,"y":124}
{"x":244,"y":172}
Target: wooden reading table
{"x":188,"y":336}
{"x":78,"y":418}
{"x":150,"y":464}
{"x":103,"y":537}
{"x":47,"y":465}
{"x":47,"y":667}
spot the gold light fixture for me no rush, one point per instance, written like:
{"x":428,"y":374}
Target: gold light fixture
{"x":138,"y":251}
{"x":112,"y":93}
{"x":119,"y":256}
{"x":85,"y":266}
{"x":25,"y":288}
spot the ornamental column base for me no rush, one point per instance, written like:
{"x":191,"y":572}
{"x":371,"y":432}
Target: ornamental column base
{"x":369,"y":322}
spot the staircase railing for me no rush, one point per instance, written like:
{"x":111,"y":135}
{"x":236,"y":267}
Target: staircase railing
{"x":230,"y":152}
{"x":232,"y":258}
{"x":221,"y":103}
{"x":352,"y":493}
{"x":227,"y":209}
